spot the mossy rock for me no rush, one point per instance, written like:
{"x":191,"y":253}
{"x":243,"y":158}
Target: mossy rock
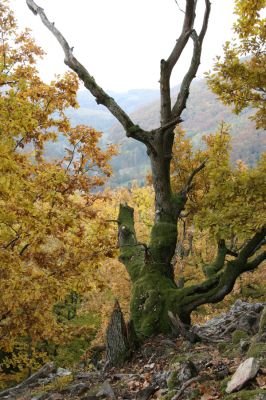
{"x":258,"y":394}
{"x":238,"y":335}
{"x":258,"y":350}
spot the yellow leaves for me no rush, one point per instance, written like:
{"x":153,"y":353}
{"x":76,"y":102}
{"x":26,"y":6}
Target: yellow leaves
{"x":239,"y":79}
{"x":52,"y":241}
{"x":224,"y":199}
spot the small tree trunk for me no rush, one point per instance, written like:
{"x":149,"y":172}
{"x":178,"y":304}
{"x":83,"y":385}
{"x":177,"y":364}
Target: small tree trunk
{"x":117,"y":344}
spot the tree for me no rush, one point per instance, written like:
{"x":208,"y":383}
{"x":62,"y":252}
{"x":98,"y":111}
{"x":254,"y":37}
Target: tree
{"x":49,"y":242}
{"x":239,"y":78}
{"x":154,"y":291}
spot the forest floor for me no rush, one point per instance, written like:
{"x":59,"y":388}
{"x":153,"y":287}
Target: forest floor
{"x":168,"y":368}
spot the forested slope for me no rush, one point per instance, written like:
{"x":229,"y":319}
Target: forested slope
{"x":203,"y":115}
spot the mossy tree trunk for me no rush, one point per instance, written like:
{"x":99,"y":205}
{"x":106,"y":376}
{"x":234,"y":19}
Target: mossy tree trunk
{"x":154,"y":291}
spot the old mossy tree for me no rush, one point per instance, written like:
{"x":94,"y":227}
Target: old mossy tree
{"x":154,"y":291}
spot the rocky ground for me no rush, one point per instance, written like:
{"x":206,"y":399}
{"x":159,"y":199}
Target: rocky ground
{"x":229,"y":362}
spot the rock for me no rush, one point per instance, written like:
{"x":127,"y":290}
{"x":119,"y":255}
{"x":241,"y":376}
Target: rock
{"x":63,"y":372}
{"x":106,"y":391}
{"x":187,"y":371}
{"x":149,"y":366}
{"x":87,"y":375}
{"x":249,"y":322}
{"x":246,"y":371}
{"x":242,"y":316}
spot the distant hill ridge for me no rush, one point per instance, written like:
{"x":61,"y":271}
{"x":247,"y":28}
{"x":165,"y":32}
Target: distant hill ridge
{"x":203,"y":115}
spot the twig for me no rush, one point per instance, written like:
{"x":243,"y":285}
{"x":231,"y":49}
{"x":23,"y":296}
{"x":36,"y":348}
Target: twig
{"x":187,"y":384}
{"x":180,"y":9}
{"x":189,"y":185}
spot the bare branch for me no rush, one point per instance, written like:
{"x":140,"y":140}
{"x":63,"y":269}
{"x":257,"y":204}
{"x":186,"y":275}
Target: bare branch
{"x":168,"y":65}
{"x":100,"y":95}
{"x":195,"y":62}
{"x":188,"y":185}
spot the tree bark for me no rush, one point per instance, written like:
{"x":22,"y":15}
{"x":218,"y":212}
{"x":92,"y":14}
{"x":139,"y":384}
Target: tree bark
{"x":117,"y":344}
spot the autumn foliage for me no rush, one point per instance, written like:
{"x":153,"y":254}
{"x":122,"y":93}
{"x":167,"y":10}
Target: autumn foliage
{"x":239,"y":77}
{"x":51,"y":240}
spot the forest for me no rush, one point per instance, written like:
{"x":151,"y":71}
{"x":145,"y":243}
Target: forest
{"x":132,"y":239}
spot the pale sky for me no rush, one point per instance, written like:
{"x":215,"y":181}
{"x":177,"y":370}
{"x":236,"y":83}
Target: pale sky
{"x":121,"y":42}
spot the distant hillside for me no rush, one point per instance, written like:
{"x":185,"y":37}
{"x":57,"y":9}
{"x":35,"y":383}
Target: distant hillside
{"x":203,"y":115}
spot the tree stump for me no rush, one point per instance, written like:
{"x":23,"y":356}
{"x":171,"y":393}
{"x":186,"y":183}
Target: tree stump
{"x":118,"y":348}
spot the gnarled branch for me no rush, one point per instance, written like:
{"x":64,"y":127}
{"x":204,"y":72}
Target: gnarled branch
{"x":220,"y":284}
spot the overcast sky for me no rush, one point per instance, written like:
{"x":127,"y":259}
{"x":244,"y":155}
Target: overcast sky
{"x":121,"y":42}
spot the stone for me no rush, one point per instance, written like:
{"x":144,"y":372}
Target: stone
{"x":149,"y":366}
{"x":106,"y":390}
{"x":187,"y":371}
{"x":242,"y":316}
{"x":63,"y":372}
{"x":246,"y":371}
